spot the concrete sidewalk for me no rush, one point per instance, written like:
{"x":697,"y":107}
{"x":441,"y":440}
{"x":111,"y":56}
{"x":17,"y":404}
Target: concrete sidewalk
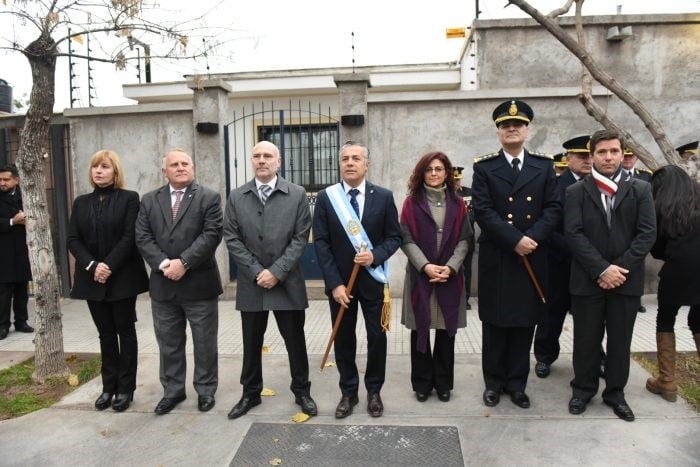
{"x":73,"y":433}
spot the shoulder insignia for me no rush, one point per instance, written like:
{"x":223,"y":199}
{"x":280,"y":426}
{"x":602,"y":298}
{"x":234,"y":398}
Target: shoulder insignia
{"x":486,"y":157}
{"x":643,"y":170}
{"x":541,"y":155}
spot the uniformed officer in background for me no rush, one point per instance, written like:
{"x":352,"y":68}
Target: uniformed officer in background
{"x":514,"y":194}
{"x":628,"y":160}
{"x":579,"y":163}
{"x":560,"y":163}
{"x":466,"y":193}
{"x":688,"y":150}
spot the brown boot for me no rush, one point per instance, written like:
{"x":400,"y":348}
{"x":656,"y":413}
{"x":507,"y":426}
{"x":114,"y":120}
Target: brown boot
{"x":697,"y":342}
{"x":665,"y":384}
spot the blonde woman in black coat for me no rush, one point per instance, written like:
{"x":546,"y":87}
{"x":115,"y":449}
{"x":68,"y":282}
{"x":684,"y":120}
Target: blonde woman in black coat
{"x":109,"y":273}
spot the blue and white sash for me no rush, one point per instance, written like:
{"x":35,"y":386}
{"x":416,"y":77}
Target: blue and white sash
{"x":353,"y":228}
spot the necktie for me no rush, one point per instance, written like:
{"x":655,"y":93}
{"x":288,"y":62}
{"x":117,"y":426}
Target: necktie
{"x":176,"y":206}
{"x":353,"y":201}
{"x":516,"y":163}
{"x":608,"y":209}
{"x":264,"y":193}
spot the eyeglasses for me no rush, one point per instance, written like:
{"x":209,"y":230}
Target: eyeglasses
{"x":437,"y":170}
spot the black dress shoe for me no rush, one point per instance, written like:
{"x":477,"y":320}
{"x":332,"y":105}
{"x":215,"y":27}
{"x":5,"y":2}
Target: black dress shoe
{"x":244,"y":405}
{"x":422,"y":396}
{"x":22,"y":326}
{"x":104,"y":401}
{"x":205,"y":403}
{"x":577,"y":406}
{"x":520,"y":399}
{"x":622,"y":410}
{"x":444,"y":395}
{"x":542,"y":369}
{"x":122,"y":401}
{"x":642,"y":309}
{"x":308,"y":406}
{"x":491,"y":398}
{"x":167,"y":404}
{"x":375,"y":407}
{"x":345,"y":406}
{"x":3,"y":333}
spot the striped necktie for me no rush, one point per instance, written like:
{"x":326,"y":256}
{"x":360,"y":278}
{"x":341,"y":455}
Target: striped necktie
{"x":264,"y":193}
{"x":178,"y":200}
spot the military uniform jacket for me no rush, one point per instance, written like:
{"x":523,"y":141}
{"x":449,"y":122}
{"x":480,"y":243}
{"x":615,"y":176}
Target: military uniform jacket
{"x":506,"y":207}
{"x":14,"y":266}
{"x":272,"y":236}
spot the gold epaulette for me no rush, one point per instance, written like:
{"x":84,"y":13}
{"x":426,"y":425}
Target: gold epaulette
{"x":642,"y":169}
{"x":485,"y":158}
{"x":541,"y":155}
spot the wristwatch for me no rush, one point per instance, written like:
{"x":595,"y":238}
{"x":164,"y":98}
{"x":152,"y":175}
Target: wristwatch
{"x":185,"y":264}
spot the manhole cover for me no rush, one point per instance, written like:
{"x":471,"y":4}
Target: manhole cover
{"x":349,"y":445}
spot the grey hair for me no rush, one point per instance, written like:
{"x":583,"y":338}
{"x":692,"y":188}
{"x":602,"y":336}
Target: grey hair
{"x":349,"y":144}
{"x":175,"y":150}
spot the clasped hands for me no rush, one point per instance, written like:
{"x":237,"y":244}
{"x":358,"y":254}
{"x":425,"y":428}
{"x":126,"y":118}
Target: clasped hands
{"x":102,"y":273}
{"x":173,"y":269}
{"x":19,"y":218}
{"x":437,"y":273}
{"x":613,"y":277}
{"x":266,"y":279}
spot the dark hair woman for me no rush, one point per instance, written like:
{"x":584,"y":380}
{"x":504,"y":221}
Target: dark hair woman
{"x":109,"y":273}
{"x":677,"y":202}
{"x":436,"y":238}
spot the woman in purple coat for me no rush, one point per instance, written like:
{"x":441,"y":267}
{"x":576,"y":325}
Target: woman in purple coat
{"x":677,"y":201}
{"x":436,"y":239}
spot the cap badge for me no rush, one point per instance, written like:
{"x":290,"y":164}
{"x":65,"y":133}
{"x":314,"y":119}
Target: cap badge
{"x":513,"y":109}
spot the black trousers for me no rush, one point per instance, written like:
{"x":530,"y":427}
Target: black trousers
{"x":594,"y":315}
{"x":467,"y":265}
{"x":666,"y":316}
{"x":547,"y":335}
{"x":505,"y":358}
{"x":13,"y":296}
{"x":291,"y":327}
{"x":118,"y":343}
{"x":434,"y":369}
{"x":345,"y":346}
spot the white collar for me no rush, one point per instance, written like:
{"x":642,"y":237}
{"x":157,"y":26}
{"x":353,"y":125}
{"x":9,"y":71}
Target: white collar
{"x":361,"y":187}
{"x":510,"y":158}
{"x":272,"y":183}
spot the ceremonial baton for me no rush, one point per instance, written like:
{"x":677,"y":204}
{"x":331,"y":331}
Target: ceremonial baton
{"x":535,"y":282}
{"x":343,"y":307}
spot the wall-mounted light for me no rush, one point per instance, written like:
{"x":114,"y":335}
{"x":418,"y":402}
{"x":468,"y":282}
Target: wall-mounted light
{"x":618,"y":33}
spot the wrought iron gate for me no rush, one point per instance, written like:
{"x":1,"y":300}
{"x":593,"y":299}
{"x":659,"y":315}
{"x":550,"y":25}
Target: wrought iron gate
{"x":309,"y":140}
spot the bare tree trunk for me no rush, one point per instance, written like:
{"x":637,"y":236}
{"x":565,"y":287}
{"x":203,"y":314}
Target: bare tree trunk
{"x":653,"y":126}
{"x":33,"y":149}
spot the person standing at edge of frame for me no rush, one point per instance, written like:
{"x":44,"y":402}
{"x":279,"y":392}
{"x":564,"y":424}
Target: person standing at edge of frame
{"x":517,"y":207}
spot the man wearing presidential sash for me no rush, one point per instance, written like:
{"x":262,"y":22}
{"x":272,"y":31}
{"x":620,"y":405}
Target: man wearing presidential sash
{"x":347,"y":215}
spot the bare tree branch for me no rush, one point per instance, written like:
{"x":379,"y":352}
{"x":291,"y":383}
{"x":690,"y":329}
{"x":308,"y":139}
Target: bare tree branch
{"x":561,"y":10}
{"x":653,"y":126}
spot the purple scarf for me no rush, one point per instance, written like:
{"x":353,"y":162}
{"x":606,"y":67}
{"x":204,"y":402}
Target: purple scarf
{"x":416,"y":215}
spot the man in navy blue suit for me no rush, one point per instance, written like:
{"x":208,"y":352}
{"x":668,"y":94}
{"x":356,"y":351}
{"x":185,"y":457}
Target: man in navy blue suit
{"x":347,"y":214}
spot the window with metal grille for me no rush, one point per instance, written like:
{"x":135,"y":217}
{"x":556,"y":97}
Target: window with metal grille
{"x":309,"y":152}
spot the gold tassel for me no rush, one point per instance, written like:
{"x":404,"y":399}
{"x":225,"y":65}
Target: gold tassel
{"x":386,"y":309}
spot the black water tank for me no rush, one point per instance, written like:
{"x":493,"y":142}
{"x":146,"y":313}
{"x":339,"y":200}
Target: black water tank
{"x":5,"y":97}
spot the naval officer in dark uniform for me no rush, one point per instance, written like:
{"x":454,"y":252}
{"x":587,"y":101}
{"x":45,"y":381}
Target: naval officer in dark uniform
{"x":578,"y":162}
{"x":516,"y":204}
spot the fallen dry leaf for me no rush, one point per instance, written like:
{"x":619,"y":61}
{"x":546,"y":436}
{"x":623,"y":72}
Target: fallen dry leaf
{"x":329,"y":364}
{"x":73,"y":380}
{"x":276,"y":461}
{"x":265,"y":349}
{"x":268,"y":392}
{"x":300,"y":417}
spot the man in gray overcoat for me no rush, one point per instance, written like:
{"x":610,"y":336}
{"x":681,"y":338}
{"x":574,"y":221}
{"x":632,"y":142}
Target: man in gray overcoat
{"x":266,"y":228}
